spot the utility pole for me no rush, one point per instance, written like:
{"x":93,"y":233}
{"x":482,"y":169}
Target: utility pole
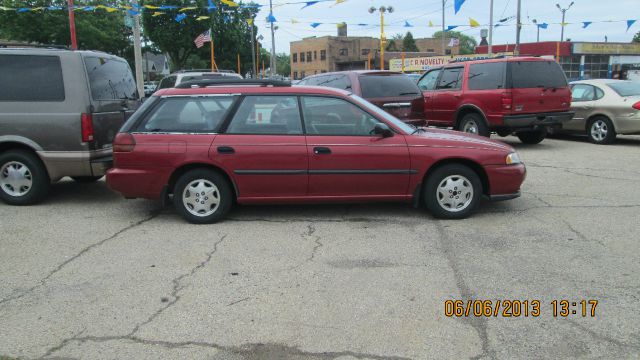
{"x":516,"y":50}
{"x":273,"y":43}
{"x":538,"y":29}
{"x":444,"y":49}
{"x":137,"y":51}
{"x":72,"y":25}
{"x":563,"y":11}
{"x":490,"y":27}
{"x":253,"y":52}
{"x":382,"y":10}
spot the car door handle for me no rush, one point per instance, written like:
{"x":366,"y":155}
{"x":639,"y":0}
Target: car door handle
{"x":226,"y":150}
{"x":321,"y":150}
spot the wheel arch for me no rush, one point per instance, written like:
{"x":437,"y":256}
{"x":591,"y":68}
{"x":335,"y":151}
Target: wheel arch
{"x":17,"y":143}
{"x":468,"y":109}
{"x":191,"y":166}
{"x":587,"y":122}
{"x":476,"y":167}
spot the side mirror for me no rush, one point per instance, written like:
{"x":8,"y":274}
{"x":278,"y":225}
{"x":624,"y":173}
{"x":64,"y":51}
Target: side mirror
{"x":382,"y":129}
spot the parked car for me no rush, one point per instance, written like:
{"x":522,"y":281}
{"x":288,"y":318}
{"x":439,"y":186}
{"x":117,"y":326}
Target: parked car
{"x":149,"y":88}
{"x":414,"y":77}
{"x":522,"y":95}
{"x":392,"y":91}
{"x":60,"y":112}
{"x":193,"y":75}
{"x":604,"y":108}
{"x":255,"y":142}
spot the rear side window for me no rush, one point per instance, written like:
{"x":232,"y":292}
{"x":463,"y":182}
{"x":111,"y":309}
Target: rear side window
{"x":531,"y":74}
{"x":331,"y":116}
{"x":167,"y":82}
{"x":110,"y":79}
{"x":187,"y":114}
{"x":375,"y":86}
{"x":31,"y":78}
{"x":276,"y":115}
{"x":451,"y":79}
{"x":582,"y":92}
{"x":626,"y":88}
{"x":487,"y":76}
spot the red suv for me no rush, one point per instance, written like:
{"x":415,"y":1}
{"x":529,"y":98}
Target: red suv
{"x":210,"y":144}
{"x":392,"y":91}
{"x":509,"y":95}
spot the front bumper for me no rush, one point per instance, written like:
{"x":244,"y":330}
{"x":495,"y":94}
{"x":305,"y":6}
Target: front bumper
{"x":505,"y":181}
{"x":503,"y":197}
{"x":529,"y":121}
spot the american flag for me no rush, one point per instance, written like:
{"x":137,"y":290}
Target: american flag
{"x":202,"y":38}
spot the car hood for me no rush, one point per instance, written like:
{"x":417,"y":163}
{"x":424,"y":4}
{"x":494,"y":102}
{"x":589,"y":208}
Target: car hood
{"x":448,"y":138}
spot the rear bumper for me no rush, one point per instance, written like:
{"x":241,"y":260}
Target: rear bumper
{"x":100,"y":166}
{"x":528,"y":121}
{"x":76,"y":163}
{"x":133,"y":183}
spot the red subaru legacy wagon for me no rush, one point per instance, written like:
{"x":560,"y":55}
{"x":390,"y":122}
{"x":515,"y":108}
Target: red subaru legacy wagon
{"x":209,"y":144}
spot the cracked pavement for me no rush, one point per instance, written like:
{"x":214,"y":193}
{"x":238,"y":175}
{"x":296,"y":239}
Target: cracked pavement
{"x":89,"y":275}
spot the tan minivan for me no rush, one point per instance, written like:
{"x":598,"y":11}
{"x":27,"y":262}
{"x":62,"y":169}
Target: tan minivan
{"x":59,"y":112}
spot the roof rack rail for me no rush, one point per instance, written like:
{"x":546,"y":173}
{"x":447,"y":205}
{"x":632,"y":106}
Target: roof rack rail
{"x":232,"y":81}
{"x":204,"y":70}
{"x":26,"y":45}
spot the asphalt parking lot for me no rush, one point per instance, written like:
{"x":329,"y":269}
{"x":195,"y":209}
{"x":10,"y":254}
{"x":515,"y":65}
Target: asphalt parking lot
{"x":90,"y":275}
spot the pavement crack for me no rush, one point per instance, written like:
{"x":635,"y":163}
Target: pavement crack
{"x":311,"y":229}
{"x":177,"y":287}
{"x":78,"y":255}
{"x":601,"y":337}
{"x":581,"y":235}
{"x":479,"y":324}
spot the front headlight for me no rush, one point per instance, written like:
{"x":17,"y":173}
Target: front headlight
{"x":513,"y":159}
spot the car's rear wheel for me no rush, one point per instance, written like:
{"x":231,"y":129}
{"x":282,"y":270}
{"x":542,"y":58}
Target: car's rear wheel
{"x":23,"y":178}
{"x":86,"y":179}
{"x":533,"y":136}
{"x":601,"y":131}
{"x":452,"y":191}
{"x":202,"y":196}
{"x":474,"y":124}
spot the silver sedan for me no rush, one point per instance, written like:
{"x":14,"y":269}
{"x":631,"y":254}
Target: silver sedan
{"x":604,"y":108}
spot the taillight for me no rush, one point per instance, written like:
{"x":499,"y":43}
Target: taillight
{"x":124,"y":142}
{"x":507,"y":101}
{"x":87,"y":127}
{"x":636,"y":105}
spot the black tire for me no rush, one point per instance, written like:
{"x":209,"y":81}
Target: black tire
{"x":504,"y":132}
{"x":432,"y":194}
{"x":86,"y":179}
{"x":532,"y":137}
{"x":474,"y":121}
{"x":36,"y":173}
{"x":605,"y":134}
{"x":206,"y":177}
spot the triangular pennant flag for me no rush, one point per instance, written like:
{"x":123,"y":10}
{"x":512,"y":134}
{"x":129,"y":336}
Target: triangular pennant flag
{"x":430,"y":23}
{"x":91,"y":8}
{"x":157,"y":13}
{"x":309,"y":3}
{"x":188,"y":8}
{"x":132,"y":12}
{"x":168,"y":7}
{"x":126,"y":7}
{"x":630,"y":23}
{"x":294,"y":21}
{"x":315,"y":25}
{"x":361,"y":24}
{"x":271,"y":18}
{"x":451,"y":27}
{"x":563,"y":24}
{"x":250,"y":21}
{"x":110,"y":9}
{"x":21,"y":10}
{"x":210,"y":6}
{"x":200,"y":18}
{"x":406,"y":24}
{"x":338,"y":2}
{"x":585,"y":24}
{"x":457,"y":5}
{"x":180,"y":17}
{"x":229,"y":3}
{"x":544,"y":25}
{"x":473,"y":23}
{"x":152,"y":7}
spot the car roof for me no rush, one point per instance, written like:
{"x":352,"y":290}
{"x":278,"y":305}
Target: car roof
{"x":244,"y":89}
{"x":599,"y":81}
{"x":357,"y":72}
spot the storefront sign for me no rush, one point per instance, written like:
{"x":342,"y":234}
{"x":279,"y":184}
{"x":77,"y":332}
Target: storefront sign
{"x":607,"y":48}
{"x":426,"y":63}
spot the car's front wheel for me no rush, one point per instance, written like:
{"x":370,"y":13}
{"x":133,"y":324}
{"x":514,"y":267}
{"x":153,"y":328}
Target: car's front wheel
{"x":601,"y":131}
{"x":23,"y":178}
{"x":474,"y":124}
{"x":532,"y":137}
{"x":202,"y":196}
{"x":452,"y":191}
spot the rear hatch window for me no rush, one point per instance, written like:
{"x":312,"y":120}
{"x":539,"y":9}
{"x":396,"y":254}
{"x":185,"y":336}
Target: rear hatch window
{"x":396,"y":85}
{"x":532,"y":74}
{"x":110,"y":79}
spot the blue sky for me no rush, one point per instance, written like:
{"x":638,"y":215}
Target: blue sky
{"x":419,"y":12}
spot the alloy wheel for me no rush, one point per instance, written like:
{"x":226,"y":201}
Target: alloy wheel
{"x":454,"y":193}
{"x":201,"y":197}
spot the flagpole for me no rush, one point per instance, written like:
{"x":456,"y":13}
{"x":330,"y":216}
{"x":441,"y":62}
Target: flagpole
{"x":214,"y":67}
{"x":72,"y":25}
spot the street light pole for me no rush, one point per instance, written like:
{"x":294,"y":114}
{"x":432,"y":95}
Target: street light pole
{"x":516,"y":50}
{"x":563,"y":11}
{"x":490,"y":27}
{"x":382,"y":10}
{"x":273,"y":42}
{"x":444,"y":49}
{"x":253,"y":51}
{"x":538,"y":29}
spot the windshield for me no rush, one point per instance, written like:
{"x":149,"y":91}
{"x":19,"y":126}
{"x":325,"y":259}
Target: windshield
{"x":626,"y":88}
{"x":399,"y":124}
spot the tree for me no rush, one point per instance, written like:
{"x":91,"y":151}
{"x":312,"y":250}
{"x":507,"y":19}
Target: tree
{"x":391,"y":46}
{"x":467,"y":43}
{"x":95,"y":30}
{"x":283,"y":64}
{"x":636,"y":38}
{"x":229,"y":29}
{"x":408,"y":43}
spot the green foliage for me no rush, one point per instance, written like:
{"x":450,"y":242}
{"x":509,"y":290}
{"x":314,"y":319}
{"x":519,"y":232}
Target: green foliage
{"x":283,"y":64}
{"x":230,"y":32}
{"x":408,"y":43}
{"x":95,"y":30}
{"x":391,"y":45}
{"x":636,"y":38}
{"x":467,"y":43}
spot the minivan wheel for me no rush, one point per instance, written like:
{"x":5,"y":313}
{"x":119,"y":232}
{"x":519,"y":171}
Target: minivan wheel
{"x":532,"y":137}
{"x":474,"y":124}
{"x":202,"y":196}
{"x":23,"y":178}
{"x":452,"y":192}
{"x":86,"y":179}
{"x":601,"y":131}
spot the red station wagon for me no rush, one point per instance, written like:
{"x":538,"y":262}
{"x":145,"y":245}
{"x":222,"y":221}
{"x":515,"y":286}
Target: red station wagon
{"x":209,"y":144}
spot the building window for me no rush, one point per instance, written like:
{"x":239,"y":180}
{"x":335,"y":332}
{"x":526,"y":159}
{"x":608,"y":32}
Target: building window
{"x":344,"y":52}
{"x":301,"y":57}
{"x":447,"y":52}
{"x":295,"y":75}
{"x":302,"y":74}
{"x":431,"y":50}
{"x":366,"y":51}
{"x":315,"y":55}
{"x":295,"y":57}
{"x":323,"y":54}
{"x":308,"y":56}
{"x":323,"y":71}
